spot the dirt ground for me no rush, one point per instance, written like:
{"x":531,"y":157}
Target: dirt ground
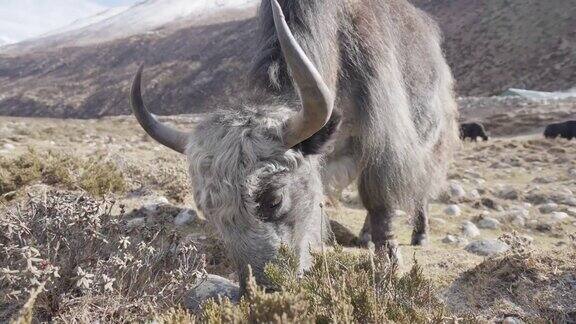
{"x":515,"y":185}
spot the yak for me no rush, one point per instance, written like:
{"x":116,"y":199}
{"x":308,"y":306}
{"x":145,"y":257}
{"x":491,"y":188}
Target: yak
{"x":369,"y":73}
{"x":473,"y":131}
{"x":565,"y":130}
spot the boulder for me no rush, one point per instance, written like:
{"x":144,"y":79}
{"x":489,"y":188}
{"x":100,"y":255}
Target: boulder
{"x":487,"y":247}
{"x":211,"y":287}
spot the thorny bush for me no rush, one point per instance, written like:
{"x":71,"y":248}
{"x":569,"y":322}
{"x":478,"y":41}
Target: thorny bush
{"x":90,"y":265}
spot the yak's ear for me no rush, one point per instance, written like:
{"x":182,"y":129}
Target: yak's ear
{"x":318,"y":142}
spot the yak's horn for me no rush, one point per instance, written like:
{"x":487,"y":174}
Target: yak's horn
{"x":164,"y":134}
{"x":317,"y":101}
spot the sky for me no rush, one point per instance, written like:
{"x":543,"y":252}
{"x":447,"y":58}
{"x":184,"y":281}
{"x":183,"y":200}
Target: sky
{"x":23,"y":19}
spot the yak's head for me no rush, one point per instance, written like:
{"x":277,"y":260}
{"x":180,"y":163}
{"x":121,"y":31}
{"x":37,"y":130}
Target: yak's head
{"x":255,"y":170}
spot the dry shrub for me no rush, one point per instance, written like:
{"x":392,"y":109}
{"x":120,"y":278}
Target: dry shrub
{"x":340,"y":287}
{"x":169,"y":175}
{"x":532,"y":286}
{"x":96,"y":176}
{"x":91,"y":266}
{"x":99,"y":178}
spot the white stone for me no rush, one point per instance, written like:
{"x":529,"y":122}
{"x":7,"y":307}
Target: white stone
{"x":454,"y":239}
{"x":569,"y":200}
{"x":548,"y":208}
{"x":456,"y":190}
{"x":450,"y":239}
{"x":9,"y":147}
{"x":558,"y":216}
{"x":512,"y":320}
{"x":517,"y":219}
{"x":474,"y":194}
{"x":155,"y":203}
{"x":452,"y":210}
{"x":469,"y":229}
{"x":184,"y":217}
{"x":488,"y":223}
{"x":487,"y":247}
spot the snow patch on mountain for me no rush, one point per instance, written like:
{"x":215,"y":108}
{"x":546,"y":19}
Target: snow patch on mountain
{"x":24,"y":19}
{"x":150,"y":14}
{"x":84,"y":22}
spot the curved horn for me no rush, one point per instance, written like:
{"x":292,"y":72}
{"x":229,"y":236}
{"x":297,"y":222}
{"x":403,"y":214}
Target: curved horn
{"x":317,"y":101}
{"x":165,"y":135}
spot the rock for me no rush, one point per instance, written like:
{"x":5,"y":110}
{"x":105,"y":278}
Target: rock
{"x":526,"y":205}
{"x":487,"y":247}
{"x":469,"y":229}
{"x":474,"y":194}
{"x":186,"y":216}
{"x":135,"y":222}
{"x":558,"y":216}
{"x":512,"y":320}
{"x":450,"y":239}
{"x":478,"y":182}
{"x":489,"y":203}
{"x":456,"y":191}
{"x":452,"y":210}
{"x":8,"y":147}
{"x":571,"y":212}
{"x":155,"y":203}
{"x":488,"y":223}
{"x":454,"y":239}
{"x":569,"y":201}
{"x":509,"y":193}
{"x":548,"y":208}
{"x":544,"y":180}
{"x":572,"y":173}
{"x":518,"y":217}
{"x":211,"y":287}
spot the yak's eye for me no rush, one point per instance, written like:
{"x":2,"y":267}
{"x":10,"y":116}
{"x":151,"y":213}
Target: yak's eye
{"x":276,"y":202}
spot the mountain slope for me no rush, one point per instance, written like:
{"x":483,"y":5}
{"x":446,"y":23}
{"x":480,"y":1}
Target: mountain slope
{"x":144,"y":16}
{"x":494,"y":45}
{"x":193,"y":69}
{"x":491,"y":46}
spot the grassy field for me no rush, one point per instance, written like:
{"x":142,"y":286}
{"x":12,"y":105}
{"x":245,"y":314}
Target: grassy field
{"x":98,"y":222}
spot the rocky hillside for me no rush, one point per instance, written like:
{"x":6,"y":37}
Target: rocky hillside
{"x":491,"y":45}
{"x":494,"y":45}
{"x":190,"y":70}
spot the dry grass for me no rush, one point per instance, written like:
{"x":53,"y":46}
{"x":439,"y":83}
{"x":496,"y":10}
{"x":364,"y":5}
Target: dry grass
{"x":535,"y":287}
{"x":91,"y":266}
{"x":340,"y":287}
{"x":96,"y":176}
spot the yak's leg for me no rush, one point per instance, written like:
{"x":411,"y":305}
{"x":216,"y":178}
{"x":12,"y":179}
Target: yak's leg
{"x":380,"y":216}
{"x":421,"y":225}
{"x":366,"y":232}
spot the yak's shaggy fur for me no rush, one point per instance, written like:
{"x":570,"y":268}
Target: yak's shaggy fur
{"x":565,"y":130}
{"x":394,"y":90}
{"x":382,"y":61}
{"x":238,"y":167}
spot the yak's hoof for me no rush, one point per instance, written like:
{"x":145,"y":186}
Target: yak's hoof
{"x":390,"y":251}
{"x":419,"y":239}
{"x":365,"y":239}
